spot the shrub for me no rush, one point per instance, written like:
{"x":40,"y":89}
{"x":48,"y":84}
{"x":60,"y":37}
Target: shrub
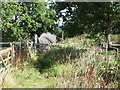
{"x":44,"y":63}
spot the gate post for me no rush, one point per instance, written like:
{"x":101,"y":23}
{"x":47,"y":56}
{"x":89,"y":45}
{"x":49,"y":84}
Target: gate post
{"x":12,"y":54}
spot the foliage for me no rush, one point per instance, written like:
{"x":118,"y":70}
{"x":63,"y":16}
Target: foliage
{"x":115,"y":38}
{"x":58,"y":56}
{"x":58,"y":33}
{"x":89,"y":17}
{"x":26,"y":19}
{"x":85,"y":69}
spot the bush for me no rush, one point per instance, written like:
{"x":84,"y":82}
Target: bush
{"x":44,"y":63}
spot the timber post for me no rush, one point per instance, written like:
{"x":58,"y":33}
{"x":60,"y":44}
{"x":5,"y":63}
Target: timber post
{"x":12,"y":54}
{"x":62,"y":35}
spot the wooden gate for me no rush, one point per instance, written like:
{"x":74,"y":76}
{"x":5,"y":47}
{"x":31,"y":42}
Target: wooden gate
{"x":6,"y":57}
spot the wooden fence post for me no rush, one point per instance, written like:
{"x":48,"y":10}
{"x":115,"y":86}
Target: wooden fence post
{"x":62,"y":35}
{"x":12,"y":54}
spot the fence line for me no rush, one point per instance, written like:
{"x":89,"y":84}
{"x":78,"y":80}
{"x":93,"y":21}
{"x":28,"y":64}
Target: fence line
{"x":10,"y":42}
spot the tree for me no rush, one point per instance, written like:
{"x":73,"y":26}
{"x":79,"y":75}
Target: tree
{"x":21,"y":20}
{"x":90,"y":18}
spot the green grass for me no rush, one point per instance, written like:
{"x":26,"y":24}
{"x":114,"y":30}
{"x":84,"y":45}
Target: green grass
{"x":75,"y":65}
{"x":27,"y":77}
{"x":115,"y":39}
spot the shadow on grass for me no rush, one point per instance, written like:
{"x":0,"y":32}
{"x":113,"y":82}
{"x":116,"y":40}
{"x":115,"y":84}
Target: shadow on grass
{"x":57,"y":56}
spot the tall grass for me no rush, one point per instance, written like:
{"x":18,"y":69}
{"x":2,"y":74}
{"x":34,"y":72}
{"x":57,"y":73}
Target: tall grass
{"x":87,"y":70}
{"x":76,"y":65}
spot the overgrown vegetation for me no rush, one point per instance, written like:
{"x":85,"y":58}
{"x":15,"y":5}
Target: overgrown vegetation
{"x":78,"y":64}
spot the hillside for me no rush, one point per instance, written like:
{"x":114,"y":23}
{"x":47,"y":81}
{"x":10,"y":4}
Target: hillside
{"x":75,"y":64}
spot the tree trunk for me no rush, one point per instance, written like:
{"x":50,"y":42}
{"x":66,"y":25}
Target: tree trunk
{"x":108,"y":31}
{"x":107,"y":36}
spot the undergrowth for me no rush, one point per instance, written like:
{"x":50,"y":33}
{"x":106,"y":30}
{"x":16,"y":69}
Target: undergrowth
{"x":75,"y":65}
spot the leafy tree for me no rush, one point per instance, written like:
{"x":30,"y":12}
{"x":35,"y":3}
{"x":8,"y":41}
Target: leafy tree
{"x":21,"y":20}
{"x":90,"y":18}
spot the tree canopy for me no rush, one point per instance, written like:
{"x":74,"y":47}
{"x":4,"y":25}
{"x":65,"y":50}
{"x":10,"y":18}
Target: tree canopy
{"x":89,"y":17}
{"x":21,"y":20}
